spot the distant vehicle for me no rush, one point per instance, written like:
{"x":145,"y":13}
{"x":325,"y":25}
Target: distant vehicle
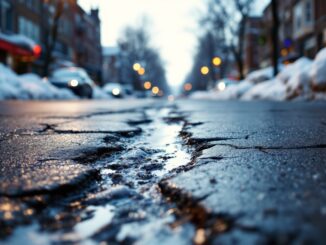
{"x":75,"y":79}
{"x":118,"y":90}
{"x":222,"y":84}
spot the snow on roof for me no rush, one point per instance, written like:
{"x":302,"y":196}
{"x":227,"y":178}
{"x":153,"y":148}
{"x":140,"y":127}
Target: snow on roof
{"x":18,"y":39}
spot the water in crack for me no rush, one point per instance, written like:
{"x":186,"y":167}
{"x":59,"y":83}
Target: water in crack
{"x":102,"y":216}
{"x":165,"y":137}
{"x":127,"y":202}
{"x":149,"y":158}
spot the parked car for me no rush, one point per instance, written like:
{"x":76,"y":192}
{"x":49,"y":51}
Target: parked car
{"x":114,"y":89}
{"x":75,"y":79}
{"x":118,"y":90}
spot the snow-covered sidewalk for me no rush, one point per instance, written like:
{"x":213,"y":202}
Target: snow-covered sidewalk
{"x":32,"y":87}
{"x":305,"y":79}
{"x":28,"y":86}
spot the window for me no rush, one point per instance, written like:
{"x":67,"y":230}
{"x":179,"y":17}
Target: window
{"x":5,"y":16}
{"x":29,"y":29}
{"x":308,"y":12}
{"x":297,"y":17}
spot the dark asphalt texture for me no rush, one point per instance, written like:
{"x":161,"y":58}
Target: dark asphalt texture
{"x":255,"y":175}
{"x":261,"y":169}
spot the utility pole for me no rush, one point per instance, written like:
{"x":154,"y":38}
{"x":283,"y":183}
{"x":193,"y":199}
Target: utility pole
{"x":275,"y":36}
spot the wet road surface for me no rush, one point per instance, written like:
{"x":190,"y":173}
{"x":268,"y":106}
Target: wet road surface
{"x":158,"y":172}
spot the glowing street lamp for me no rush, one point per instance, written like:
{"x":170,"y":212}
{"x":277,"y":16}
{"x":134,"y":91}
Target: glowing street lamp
{"x":155,"y":90}
{"x":187,"y":87}
{"x":217,"y":61}
{"x":204,"y":70}
{"x":141,"y":71}
{"x":147,"y":85}
{"x":284,"y":52}
{"x":136,"y":67}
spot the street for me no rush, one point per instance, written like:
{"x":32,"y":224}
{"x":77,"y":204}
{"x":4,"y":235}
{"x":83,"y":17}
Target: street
{"x":158,"y":172}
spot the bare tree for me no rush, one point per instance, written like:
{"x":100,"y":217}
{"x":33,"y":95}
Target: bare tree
{"x":51,"y":33}
{"x":209,"y":46}
{"x":232,"y":16}
{"x":136,"y":48}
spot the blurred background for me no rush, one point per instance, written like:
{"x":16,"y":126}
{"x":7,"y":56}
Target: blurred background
{"x":217,"y":49}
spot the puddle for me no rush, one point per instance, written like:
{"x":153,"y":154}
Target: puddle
{"x":29,"y":235}
{"x":102,"y":216}
{"x":165,"y":137}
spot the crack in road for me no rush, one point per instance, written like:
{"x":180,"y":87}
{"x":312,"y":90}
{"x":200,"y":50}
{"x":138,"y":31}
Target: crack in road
{"x":128,"y":173}
{"x":265,"y":149}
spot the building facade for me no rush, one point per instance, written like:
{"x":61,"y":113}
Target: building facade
{"x":309,"y":24}
{"x":77,"y":39}
{"x":302,"y":30}
{"x":253,"y":43}
{"x":88,"y":50}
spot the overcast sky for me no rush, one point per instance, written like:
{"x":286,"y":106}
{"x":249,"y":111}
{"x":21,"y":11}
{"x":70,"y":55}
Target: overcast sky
{"x":173,"y":27}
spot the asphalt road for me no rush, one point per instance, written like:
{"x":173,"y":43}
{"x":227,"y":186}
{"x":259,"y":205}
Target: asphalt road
{"x":158,"y":172}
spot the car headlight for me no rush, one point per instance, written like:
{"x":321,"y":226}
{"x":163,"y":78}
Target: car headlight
{"x":116,"y":91}
{"x":221,"y":86}
{"x":73,"y":83}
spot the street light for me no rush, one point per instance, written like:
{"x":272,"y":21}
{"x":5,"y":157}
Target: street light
{"x":187,"y":87}
{"x":147,"y":85}
{"x":217,"y":61}
{"x":155,"y":90}
{"x":136,"y":67}
{"x":141,"y":71}
{"x":204,"y":70}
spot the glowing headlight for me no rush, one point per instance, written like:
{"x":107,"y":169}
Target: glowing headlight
{"x":116,"y":91}
{"x":73,"y":83}
{"x":221,"y":86}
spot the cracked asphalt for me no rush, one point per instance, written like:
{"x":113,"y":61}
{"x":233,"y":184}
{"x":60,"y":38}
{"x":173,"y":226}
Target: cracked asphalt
{"x":158,"y":172}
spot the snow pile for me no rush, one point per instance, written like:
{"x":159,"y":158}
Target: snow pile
{"x":299,"y":84}
{"x":38,"y":89}
{"x":9,"y":84}
{"x":272,"y":89}
{"x":18,"y":39}
{"x":260,"y":75}
{"x":232,"y":92}
{"x":235,"y":91}
{"x":303,"y":80}
{"x":292,"y":69}
{"x":291,"y":82}
{"x":28,"y":86}
{"x":318,"y":72}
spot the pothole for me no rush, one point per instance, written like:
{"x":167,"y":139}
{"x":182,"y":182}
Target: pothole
{"x":127,"y":205}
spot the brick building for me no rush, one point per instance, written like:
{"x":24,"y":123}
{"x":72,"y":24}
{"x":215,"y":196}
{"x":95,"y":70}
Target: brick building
{"x":309,"y":26}
{"x":78,"y":39}
{"x":302,"y":29}
{"x":22,"y":18}
{"x":88,"y":42}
